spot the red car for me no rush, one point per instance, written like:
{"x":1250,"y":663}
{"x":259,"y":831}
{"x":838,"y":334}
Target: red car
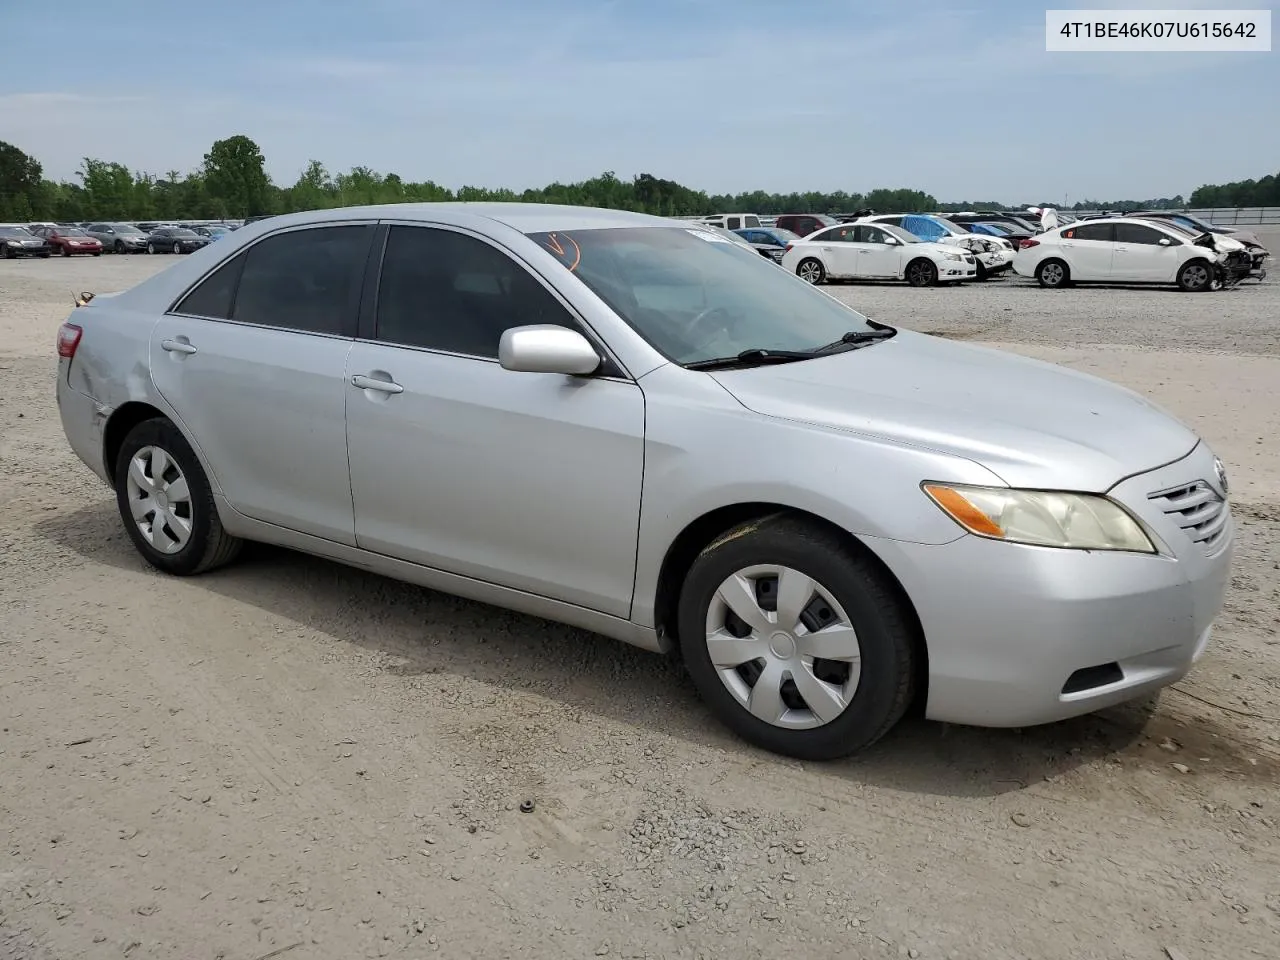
{"x":69,"y":240}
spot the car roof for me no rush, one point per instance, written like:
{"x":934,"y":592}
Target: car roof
{"x":525,"y":217}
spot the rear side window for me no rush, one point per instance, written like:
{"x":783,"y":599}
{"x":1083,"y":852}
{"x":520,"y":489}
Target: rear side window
{"x":751,"y":221}
{"x":307,"y":280}
{"x":215,"y":295}
{"x":1088,"y":231}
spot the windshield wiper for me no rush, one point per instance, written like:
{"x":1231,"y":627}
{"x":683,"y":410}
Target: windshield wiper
{"x":857,"y":338}
{"x":750,"y":357}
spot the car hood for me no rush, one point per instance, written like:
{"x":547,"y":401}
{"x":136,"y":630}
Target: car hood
{"x":1033,"y":424}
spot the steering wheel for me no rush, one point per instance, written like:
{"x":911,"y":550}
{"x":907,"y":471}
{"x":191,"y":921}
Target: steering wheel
{"x":696,"y":336}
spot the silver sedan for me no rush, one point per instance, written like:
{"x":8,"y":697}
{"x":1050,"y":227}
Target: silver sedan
{"x":635,"y":426}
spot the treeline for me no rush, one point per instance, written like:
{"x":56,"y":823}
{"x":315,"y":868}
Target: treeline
{"x":232,"y":182}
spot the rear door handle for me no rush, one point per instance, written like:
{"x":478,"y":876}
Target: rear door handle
{"x":177,"y":346}
{"x":372,"y":383}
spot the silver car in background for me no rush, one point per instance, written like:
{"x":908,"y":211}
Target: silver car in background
{"x":118,"y":237}
{"x":635,"y":426}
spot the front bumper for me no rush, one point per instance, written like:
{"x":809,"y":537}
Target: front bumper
{"x":1019,"y":636}
{"x":958,"y":269}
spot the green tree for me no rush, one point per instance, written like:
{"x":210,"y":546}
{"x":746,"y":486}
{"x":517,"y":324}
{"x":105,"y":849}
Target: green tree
{"x":21,"y":179}
{"x":235,"y":178}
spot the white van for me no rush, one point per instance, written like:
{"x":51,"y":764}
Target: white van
{"x":733,"y":221}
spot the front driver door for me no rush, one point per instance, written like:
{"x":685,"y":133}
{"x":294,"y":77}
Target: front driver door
{"x":1139,"y":255}
{"x":528,"y":480}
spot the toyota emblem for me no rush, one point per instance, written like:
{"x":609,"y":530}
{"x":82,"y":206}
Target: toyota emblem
{"x":1221,"y":471}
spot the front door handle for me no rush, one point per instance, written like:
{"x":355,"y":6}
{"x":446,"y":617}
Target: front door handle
{"x":177,"y":346}
{"x":372,"y":383}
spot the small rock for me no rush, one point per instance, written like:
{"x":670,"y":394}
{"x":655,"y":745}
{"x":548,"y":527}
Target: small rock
{"x":1181,"y":767}
{"x":1021,"y":819}
{"x":602,"y":950}
{"x":1172,"y":746}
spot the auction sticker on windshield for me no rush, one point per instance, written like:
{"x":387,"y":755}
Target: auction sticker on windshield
{"x":1154,"y":31}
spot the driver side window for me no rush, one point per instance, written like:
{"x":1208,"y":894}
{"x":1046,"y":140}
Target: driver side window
{"x":443,"y":290}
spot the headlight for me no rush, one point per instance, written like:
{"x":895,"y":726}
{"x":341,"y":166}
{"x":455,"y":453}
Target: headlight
{"x":1081,"y":521}
{"x":952,"y":256}
{"x":14,"y":243}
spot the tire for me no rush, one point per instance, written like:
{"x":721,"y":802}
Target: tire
{"x":921,"y":273}
{"x":1053,"y":273}
{"x":177,"y":248}
{"x":98,"y":253}
{"x":46,"y":256}
{"x":875,"y":694}
{"x":151,"y":248}
{"x":1195,"y":276}
{"x":983,"y":273}
{"x":811,"y":271}
{"x":66,"y":251}
{"x":118,"y":248}
{"x":207,"y":545}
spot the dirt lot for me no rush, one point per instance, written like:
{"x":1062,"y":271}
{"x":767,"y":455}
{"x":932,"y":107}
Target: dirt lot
{"x":291,"y":758}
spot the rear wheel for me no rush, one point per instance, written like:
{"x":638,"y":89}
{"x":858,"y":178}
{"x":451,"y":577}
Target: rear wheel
{"x":166,"y":503}
{"x":922,"y":273}
{"x":811,"y":270}
{"x":796,"y":641}
{"x":1053,"y":273}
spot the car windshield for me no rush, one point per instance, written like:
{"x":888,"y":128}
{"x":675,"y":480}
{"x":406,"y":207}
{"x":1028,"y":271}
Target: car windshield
{"x":1176,"y":227}
{"x":1003,"y":229}
{"x":948,"y":226}
{"x":16,"y":233}
{"x":784,"y":236}
{"x":183,"y":232}
{"x":1195,"y":224}
{"x":70,"y":232}
{"x":694,"y":295}
{"x":125,"y":228}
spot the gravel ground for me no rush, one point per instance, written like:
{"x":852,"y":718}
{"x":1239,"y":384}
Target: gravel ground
{"x":292,"y":758}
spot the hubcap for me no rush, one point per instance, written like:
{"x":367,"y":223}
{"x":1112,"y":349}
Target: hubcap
{"x":1052,"y":274}
{"x":159,"y":499}
{"x":783,"y":647}
{"x":810,"y":272}
{"x":919,"y":274}
{"x":1197,"y":276}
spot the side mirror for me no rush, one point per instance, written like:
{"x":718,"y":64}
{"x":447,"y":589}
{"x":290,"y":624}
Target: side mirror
{"x":547,"y":348}
{"x":891,"y":241}
{"x":1165,"y":242}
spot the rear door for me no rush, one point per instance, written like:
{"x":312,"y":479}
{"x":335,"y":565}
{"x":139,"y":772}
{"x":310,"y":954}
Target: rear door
{"x":877,"y":258}
{"x":253,"y":361}
{"x":838,"y":251}
{"x":1088,"y":250}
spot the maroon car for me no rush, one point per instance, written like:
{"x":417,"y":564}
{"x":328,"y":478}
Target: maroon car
{"x":69,"y":240}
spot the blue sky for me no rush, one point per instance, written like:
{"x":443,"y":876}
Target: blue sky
{"x":956,"y":98}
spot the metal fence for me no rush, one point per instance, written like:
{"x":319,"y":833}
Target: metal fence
{"x":1223,"y":216}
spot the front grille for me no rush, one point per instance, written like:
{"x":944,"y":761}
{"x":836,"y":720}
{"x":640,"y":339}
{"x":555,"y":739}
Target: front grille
{"x":1197,"y":509}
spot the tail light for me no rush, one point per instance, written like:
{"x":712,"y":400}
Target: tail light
{"x":1026,"y":244}
{"x":69,"y":335}
{"x":788,"y":249}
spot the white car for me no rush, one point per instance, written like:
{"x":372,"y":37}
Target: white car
{"x":877,"y":251}
{"x":993,"y":254}
{"x":1126,"y":250}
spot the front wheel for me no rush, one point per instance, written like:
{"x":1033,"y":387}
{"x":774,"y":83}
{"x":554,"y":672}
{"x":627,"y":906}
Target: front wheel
{"x":119,"y":247}
{"x":166,"y":503}
{"x":1195,"y":276}
{"x":922,"y":273}
{"x":151,"y":248}
{"x":177,"y":248}
{"x":797,"y":641}
{"x":66,"y":251}
{"x":811,"y":271}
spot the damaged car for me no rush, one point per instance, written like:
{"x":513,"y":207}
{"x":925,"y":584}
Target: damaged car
{"x":1131,"y":250}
